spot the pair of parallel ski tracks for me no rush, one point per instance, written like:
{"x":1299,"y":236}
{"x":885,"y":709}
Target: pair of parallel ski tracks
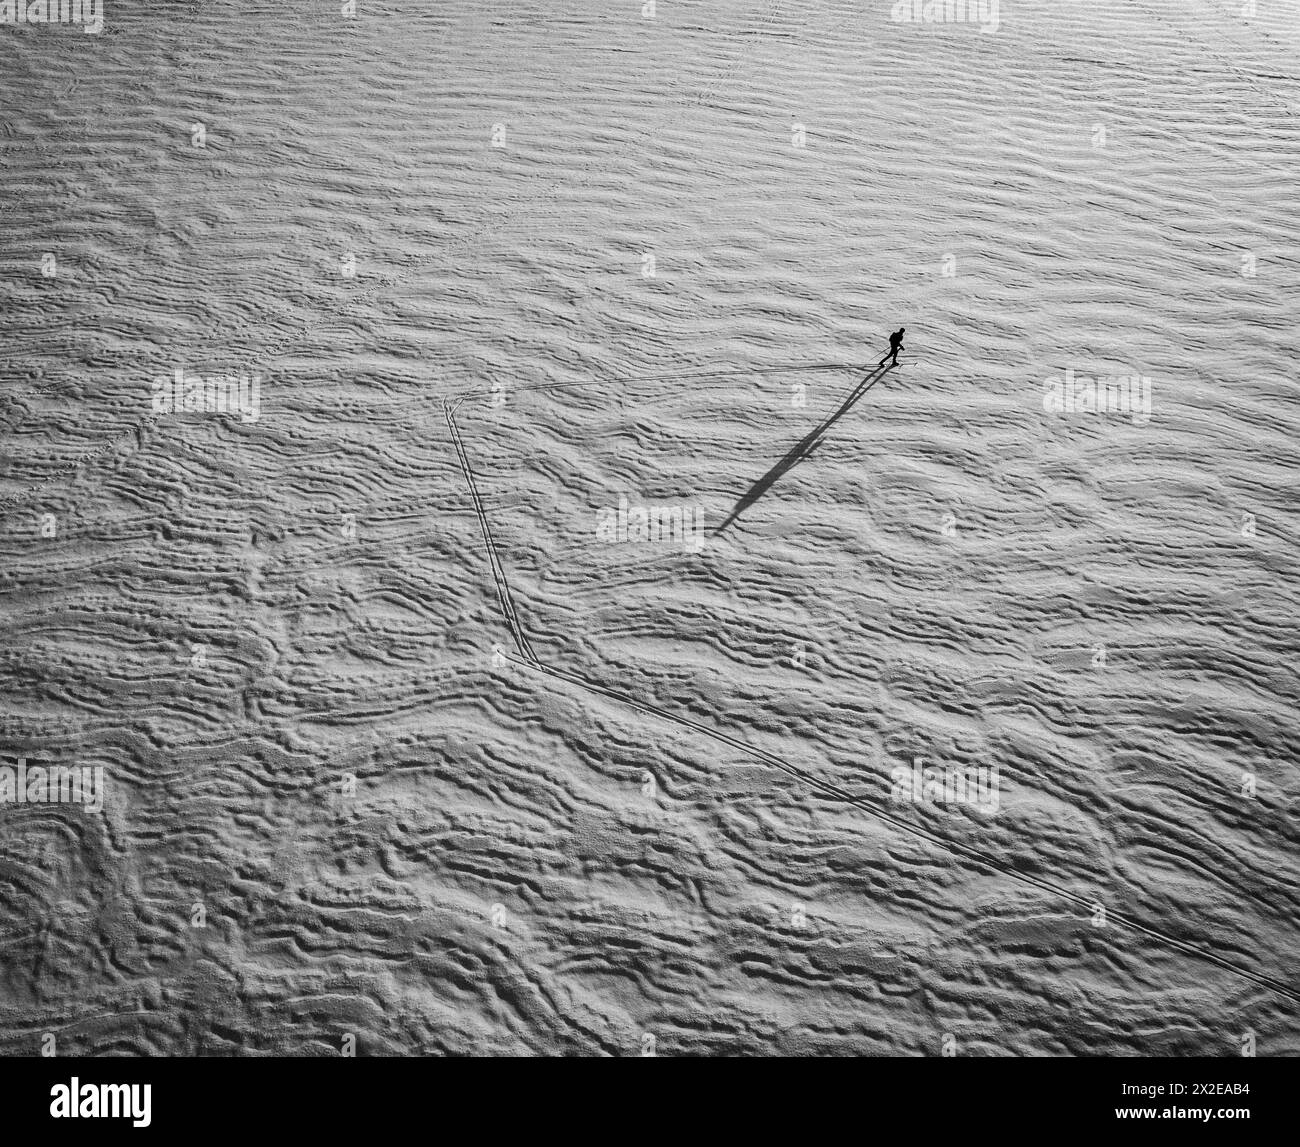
{"x":498,"y":570}
{"x":528,"y":659}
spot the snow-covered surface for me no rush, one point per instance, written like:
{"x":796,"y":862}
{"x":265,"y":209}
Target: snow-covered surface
{"x":685,"y":254}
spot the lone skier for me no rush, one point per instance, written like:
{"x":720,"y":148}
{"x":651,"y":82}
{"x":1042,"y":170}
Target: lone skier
{"x":895,"y":345}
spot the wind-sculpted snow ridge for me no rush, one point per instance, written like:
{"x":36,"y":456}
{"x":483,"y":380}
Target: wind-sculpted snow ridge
{"x":625,"y":713}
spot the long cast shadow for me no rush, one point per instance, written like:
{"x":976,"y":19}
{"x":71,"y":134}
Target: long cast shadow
{"x":801,"y":449}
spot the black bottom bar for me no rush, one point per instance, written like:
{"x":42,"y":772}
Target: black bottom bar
{"x":1242,"y":1097}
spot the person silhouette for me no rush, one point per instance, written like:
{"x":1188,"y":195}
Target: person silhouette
{"x":895,"y":345}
